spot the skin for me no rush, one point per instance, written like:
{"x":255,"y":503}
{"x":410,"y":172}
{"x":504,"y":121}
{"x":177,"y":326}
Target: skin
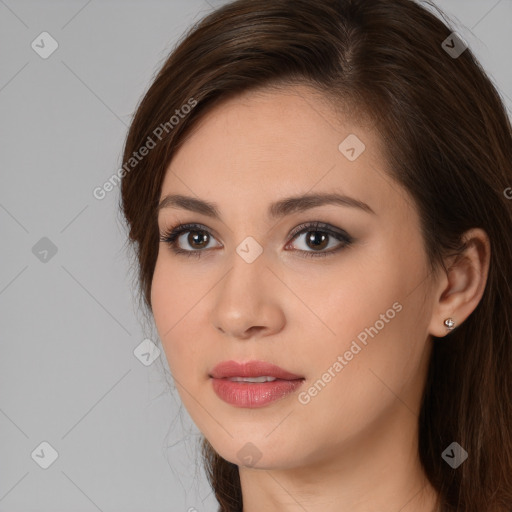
{"x":353,"y":446}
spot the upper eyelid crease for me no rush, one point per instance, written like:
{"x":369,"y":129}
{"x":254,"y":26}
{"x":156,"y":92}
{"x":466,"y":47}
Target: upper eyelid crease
{"x":278,"y":209}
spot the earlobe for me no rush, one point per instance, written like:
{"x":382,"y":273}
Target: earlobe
{"x":462,"y":286}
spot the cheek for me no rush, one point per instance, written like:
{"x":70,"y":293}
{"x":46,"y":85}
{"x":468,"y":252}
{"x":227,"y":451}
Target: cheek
{"x":172,"y":292}
{"x":372,"y":313}
{"x":162,"y":298}
{"x":364,"y":318}
{"x":176,"y":309}
{"x":378,"y":338}
{"x":167,"y":302}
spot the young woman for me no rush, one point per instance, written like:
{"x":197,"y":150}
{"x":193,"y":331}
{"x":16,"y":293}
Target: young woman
{"x":319,"y":198}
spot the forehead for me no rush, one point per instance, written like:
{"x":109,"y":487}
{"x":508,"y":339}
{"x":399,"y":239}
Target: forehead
{"x":276,"y":142}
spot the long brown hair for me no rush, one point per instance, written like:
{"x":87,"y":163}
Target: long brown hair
{"x":448,"y":141}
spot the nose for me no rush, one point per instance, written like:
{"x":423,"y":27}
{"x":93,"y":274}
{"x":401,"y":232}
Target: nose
{"x":248,"y":301}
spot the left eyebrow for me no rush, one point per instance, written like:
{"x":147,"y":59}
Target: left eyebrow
{"x":281,"y":208}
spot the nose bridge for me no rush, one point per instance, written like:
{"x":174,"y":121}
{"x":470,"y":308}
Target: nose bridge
{"x":243,"y":299}
{"x":248,"y":271}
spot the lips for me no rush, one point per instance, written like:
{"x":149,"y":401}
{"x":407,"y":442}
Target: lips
{"x":228,"y":369}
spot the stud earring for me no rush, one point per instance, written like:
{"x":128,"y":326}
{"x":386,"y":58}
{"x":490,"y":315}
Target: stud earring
{"x":449,"y":323}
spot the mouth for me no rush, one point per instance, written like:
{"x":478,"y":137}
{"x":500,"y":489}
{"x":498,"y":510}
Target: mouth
{"x":252,"y":384}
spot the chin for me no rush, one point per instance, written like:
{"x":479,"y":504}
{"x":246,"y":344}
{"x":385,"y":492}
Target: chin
{"x":256,"y":454}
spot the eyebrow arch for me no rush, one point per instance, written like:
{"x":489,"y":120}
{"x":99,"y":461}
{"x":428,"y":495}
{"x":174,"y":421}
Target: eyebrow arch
{"x":280,"y":208}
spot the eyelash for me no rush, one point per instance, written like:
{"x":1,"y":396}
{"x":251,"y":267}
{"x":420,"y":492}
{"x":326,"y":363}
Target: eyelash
{"x":170,"y":237}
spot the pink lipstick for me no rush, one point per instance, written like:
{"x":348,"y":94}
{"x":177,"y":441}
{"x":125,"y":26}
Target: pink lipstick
{"x":252,"y":384}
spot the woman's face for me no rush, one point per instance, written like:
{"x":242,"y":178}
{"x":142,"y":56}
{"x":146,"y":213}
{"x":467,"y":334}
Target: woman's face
{"x":352,"y":320}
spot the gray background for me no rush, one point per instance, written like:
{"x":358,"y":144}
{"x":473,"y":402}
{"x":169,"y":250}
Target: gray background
{"x":69,"y":322}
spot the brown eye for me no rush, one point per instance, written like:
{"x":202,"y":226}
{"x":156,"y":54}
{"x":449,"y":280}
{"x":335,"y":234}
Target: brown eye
{"x":318,"y":237}
{"x":317,"y":240}
{"x":198,"y":241}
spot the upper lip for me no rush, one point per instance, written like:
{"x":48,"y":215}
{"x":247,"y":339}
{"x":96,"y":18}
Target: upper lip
{"x":228,"y":369}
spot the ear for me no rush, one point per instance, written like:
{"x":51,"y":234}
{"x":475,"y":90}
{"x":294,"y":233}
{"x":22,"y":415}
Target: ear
{"x":460,"y":288}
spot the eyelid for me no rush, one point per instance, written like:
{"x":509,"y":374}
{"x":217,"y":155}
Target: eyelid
{"x":312,"y":225}
{"x":171,"y":235}
{"x":179,"y":229}
{"x":318,"y":226}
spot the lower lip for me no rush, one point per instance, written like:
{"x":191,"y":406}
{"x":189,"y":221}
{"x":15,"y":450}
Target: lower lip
{"x":253,"y":394}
